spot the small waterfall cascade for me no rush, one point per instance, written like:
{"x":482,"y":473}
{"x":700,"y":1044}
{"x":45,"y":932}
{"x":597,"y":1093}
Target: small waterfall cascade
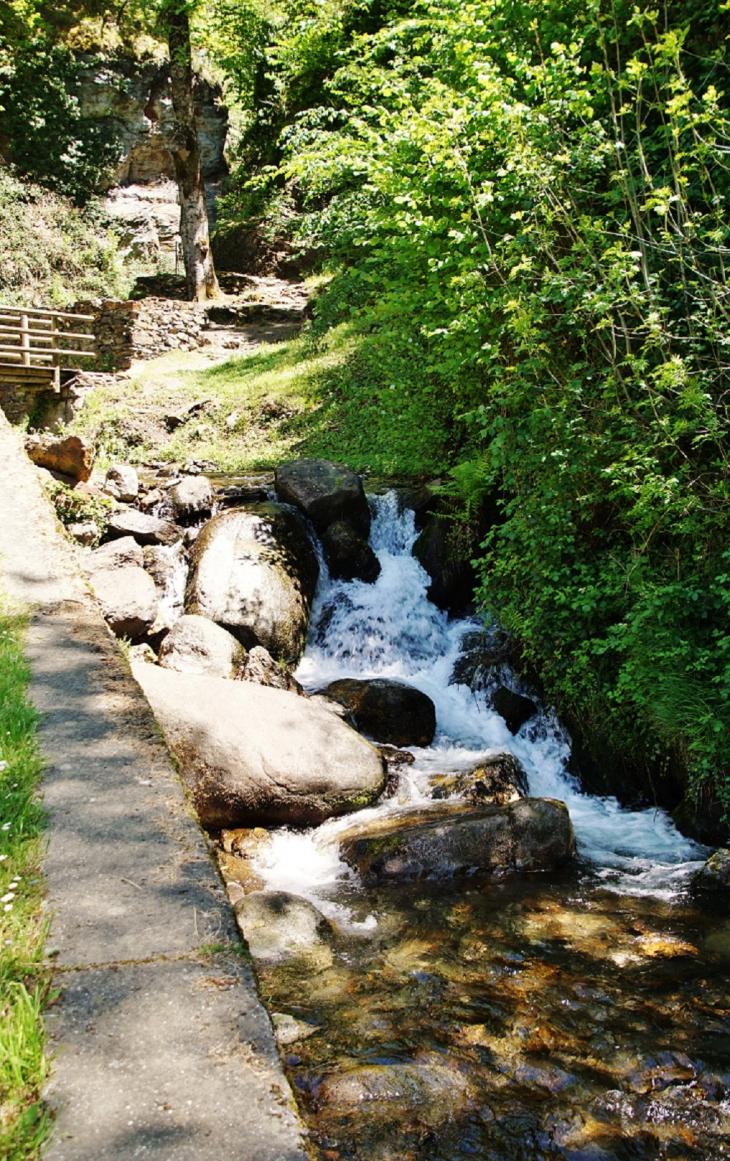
{"x":391,"y":629}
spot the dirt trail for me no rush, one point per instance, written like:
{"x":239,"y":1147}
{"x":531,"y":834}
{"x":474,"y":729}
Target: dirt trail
{"x":164,"y":1048}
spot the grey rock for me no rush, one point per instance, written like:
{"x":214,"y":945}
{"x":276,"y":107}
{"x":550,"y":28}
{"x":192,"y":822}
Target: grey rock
{"x":447,"y":560}
{"x":715,"y":875}
{"x":191,"y":498}
{"x":197,"y":645}
{"x":445,"y":839}
{"x":252,"y":756}
{"x":145,"y":529}
{"x":254,"y":571}
{"x":278,"y":926}
{"x":515,"y":708}
{"x":158,"y":563}
{"x":122,"y":483}
{"x":259,"y":667}
{"x":499,"y":780}
{"x":348,"y":555}
{"x":116,"y":554}
{"x":386,"y":710}
{"x":83,"y":532}
{"x":325,"y":492}
{"x":128,"y":600}
{"x":332,"y":706}
{"x":142,"y":653}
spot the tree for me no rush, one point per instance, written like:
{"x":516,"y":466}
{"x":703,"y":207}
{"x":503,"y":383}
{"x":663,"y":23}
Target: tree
{"x":199,"y":269}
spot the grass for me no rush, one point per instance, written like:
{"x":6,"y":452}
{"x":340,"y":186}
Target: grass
{"x":341,"y":398}
{"x":24,"y":978}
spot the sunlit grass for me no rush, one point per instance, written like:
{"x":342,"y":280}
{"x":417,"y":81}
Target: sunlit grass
{"x":24,"y":980}
{"x":339,"y":398}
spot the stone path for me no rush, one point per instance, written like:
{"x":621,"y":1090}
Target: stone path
{"x":164,"y":1049}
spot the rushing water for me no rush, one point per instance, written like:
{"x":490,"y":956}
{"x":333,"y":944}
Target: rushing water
{"x":391,"y":629}
{"x":580,"y":1015}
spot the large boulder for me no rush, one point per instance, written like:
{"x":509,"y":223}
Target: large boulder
{"x":197,"y":645}
{"x":445,"y":839}
{"x":496,"y":780}
{"x":143,"y":528}
{"x":128,"y":599}
{"x":348,"y":555}
{"x":191,"y":498}
{"x":253,"y":756}
{"x":116,"y":554}
{"x":254,"y":571}
{"x":69,"y":456}
{"x":325,"y":492}
{"x":386,"y":710}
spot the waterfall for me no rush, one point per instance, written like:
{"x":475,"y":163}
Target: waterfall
{"x":391,"y":629}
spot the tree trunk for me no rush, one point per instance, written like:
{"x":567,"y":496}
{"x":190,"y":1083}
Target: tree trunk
{"x":199,"y":271}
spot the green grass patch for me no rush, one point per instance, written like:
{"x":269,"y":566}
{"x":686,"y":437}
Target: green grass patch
{"x":342,"y":397}
{"x":24,"y":978}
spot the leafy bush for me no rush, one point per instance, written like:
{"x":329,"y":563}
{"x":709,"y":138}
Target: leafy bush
{"x":537,"y":204}
{"x":52,"y":253}
{"x":48,"y":138}
{"x":76,"y":507}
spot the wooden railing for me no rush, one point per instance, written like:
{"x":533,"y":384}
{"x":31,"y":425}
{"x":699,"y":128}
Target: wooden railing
{"x":33,"y":343}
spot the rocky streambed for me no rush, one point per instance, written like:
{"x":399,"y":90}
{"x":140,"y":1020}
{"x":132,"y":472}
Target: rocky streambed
{"x":462,"y":953}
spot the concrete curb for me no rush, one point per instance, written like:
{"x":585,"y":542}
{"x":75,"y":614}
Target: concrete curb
{"x":164,"y":1049}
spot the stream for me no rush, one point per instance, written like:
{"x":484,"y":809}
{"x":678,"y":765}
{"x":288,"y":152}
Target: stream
{"x":582,"y":1014}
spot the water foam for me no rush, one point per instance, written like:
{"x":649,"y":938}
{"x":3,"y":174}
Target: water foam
{"x":391,"y":629}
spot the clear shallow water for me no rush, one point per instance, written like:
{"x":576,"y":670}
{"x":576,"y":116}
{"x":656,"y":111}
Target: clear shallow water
{"x":581,"y":1015}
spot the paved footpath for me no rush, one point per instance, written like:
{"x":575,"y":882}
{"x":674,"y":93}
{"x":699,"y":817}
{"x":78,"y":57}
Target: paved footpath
{"x":164,"y":1049}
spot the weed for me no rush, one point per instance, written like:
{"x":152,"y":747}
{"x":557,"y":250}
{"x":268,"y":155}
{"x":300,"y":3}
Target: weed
{"x":24,"y":979}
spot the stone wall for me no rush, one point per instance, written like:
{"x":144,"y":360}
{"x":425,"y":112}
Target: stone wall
{"x":48,"y":408}
{"x":146,"y":328}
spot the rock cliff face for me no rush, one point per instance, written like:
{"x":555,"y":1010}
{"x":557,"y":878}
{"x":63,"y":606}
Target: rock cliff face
{"x":133,"y":97}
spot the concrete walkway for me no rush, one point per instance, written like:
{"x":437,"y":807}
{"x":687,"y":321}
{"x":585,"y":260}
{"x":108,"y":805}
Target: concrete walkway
{"x":164,"y":1049}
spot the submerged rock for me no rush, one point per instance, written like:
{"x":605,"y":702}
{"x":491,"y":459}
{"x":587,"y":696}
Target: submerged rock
{"x":515,"y":708}
{"x":254,"y":571}
{"x":386,"y":710}
{"x":259,"y":667}
{"x":325,"y":492}
{"x":289,"y":1030}
{"x":159,"y":564}
{"x":278,"y":926}
{"x":348,"y":555}
{"x":252,"y":755}
{"x":128,"y":600}
{"x":427,"y":1079}
{"x":435,"y":842}
{"x":499,"y":780}
{"x":715,"y":875}
{"x":197,"y":645}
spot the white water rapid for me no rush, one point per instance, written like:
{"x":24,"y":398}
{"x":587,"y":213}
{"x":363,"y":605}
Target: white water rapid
{"x":391,"y":629}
